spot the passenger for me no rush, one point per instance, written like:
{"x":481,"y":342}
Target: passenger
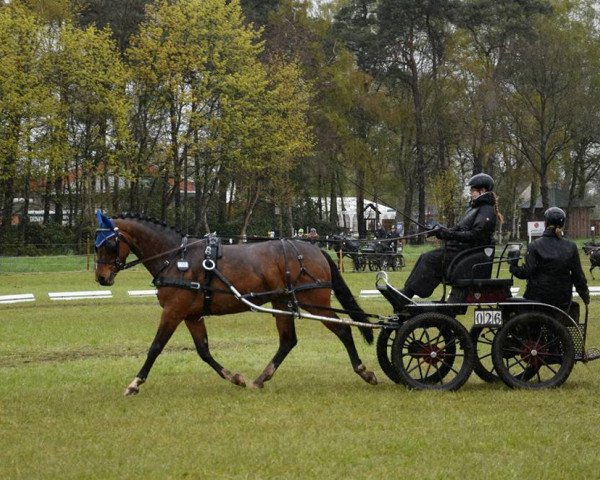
{"x":475,"y":228}
{"x":380,"y":231}
{"x":552,"y":266}
{"x":313,"y":236}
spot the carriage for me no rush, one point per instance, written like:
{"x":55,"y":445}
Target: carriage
{"x":377,"y":255}
{"x":421,"y":344}
{"x":523,"y":343}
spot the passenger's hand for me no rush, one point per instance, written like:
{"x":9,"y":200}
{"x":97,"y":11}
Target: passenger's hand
{"x":513,"y":257}
{"x":585,"y":296}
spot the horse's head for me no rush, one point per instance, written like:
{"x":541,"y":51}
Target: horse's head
{"x":111,"y":251}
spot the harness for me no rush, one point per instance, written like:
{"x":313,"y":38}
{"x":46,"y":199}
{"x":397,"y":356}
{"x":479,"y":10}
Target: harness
{"x":213,"y":252}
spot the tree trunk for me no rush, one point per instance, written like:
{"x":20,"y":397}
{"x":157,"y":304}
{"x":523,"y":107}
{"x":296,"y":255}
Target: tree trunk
{"x":254,"y":196}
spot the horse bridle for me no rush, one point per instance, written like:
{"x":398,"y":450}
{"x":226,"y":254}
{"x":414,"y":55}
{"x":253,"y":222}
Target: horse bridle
{"x":117,"y":263}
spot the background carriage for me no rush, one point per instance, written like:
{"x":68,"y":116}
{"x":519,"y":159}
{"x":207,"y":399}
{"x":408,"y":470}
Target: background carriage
{"x":377,"y":255}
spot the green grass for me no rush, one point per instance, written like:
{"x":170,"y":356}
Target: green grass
{"x":64,"y":366}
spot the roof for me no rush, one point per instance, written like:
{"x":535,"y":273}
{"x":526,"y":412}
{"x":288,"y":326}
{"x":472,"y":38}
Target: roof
{"x":556,"y":198}
{"x":349,"y":207}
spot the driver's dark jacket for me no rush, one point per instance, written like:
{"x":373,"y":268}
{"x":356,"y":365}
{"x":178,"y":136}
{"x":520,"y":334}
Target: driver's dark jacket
{"x":477,"y":225}
{"x":475,"y":228}
{"x":552,"y":266}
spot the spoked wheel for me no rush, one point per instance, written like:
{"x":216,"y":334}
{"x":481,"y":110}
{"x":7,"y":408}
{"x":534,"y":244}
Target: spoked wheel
{"x":533,"y":351}
{"x":433,"y":351}
{"x":402,"y":261}
{"x":395,"y":263}
{"x":383,"y":263}
{"x":361,"y":263}
{"x":483,"y":338}
{"x":385,"y":342}
{"x":373,"y":265}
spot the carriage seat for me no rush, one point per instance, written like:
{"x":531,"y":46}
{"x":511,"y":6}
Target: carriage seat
{"x":469,"y":275}
{"x":468,"y":265}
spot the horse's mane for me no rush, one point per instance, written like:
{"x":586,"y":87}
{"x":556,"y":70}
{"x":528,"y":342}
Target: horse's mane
{"x":154,"y":221}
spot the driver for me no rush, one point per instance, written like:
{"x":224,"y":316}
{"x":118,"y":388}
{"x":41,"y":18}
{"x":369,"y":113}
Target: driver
{"x":475,"y":228}
{"x":552,"y":265}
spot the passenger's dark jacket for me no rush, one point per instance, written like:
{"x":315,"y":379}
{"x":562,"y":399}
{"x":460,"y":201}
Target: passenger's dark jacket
{"x":552,"y":267}
{"x":476,"y":227}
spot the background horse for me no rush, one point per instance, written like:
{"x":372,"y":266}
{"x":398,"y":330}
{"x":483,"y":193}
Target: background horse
{"x":593,"y":251}
{"x":349,"y":246}
{"x":283,"y":272}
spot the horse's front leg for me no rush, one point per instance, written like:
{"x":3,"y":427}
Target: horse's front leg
{"x":287,"y":341}
{"x":167,"y":326}
{"x":197,"y":328}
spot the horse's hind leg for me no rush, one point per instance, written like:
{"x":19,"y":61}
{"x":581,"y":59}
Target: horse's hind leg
{"x":198,"y":330}
{"x":344,"y":333}
{"x":287,"y":341}
{"x":165,"y":331}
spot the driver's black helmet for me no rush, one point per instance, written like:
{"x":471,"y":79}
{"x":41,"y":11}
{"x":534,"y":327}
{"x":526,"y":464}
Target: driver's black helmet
{"x":482,"y":180}
{"x":555,"y":216}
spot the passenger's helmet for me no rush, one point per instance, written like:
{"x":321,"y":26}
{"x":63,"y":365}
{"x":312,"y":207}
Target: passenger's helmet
{"x":482,"y":180}
{"x":555,"y":216}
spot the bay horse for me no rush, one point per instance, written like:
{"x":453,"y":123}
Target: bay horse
{"x":191,"y":285}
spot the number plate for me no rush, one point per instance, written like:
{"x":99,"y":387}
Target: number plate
{"x":488,"y":317}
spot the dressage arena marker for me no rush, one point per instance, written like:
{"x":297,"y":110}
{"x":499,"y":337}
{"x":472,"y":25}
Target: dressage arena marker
{"x":24,"y":297}
{"x":80,"y":295}
{"x":142,"y":293}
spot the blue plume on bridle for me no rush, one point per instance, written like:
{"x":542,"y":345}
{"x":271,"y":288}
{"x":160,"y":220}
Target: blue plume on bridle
{"x":106,"y":229}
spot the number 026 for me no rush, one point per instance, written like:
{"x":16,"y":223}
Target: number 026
{"x":488,"y":317}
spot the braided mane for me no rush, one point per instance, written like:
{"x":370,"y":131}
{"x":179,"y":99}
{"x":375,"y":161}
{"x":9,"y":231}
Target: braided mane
{"x":154,"y":221}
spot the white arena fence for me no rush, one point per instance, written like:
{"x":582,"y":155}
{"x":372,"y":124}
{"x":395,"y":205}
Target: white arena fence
{"x":107,"y":294}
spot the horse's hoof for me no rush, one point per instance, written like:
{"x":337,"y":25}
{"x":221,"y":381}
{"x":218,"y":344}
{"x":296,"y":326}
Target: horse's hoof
{"x":371,"y":378}
{"x":238,"y":380}
{"x":366,"y":375}
{"x":129,"y":391}
{"x":257,"y":385}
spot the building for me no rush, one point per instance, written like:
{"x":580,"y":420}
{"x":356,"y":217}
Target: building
{"x":373,"y":212}
{"x":579,"y":216}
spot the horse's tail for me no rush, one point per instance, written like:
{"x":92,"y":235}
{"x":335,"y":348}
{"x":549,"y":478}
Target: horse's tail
{"x":345,"y":297}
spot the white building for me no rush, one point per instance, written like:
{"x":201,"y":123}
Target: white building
{"x":347,"y":215}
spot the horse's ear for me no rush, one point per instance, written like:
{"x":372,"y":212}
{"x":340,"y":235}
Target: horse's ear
{"x":103,"y":220}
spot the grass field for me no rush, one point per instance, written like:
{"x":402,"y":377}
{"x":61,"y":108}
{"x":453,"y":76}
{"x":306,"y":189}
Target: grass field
{"x":64,"y":366}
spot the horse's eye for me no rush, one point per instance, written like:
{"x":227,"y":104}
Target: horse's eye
{"x":111,"y":246}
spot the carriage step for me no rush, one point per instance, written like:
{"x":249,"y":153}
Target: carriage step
{"x":591,"y":354}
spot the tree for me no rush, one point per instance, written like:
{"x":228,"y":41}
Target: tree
{"x":540,"y":83}
{"x":23,"y":98}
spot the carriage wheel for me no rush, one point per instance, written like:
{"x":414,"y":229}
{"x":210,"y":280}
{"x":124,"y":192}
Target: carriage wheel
{"x":483,"y":338}
{"x":433,"y":351}
{"x":395,"y":263}
{"x":402,"y":261}
{"x":385,"y":342}
{"x":383,"y":262}
{"x":533,"y":351}
{"x":373,"y":265}
{"x":363,"y":263}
